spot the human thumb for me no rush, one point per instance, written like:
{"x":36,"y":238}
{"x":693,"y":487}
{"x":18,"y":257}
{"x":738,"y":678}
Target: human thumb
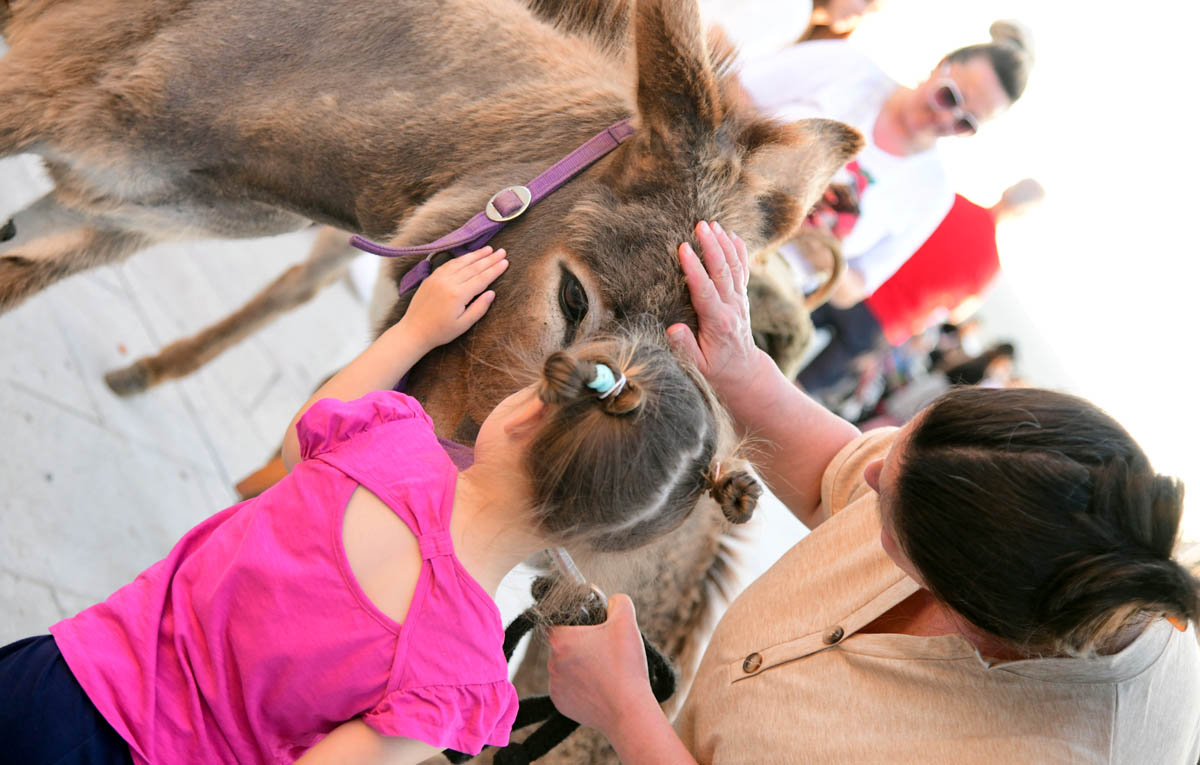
{"x":681,"y":338}
{"x":621,"y":610}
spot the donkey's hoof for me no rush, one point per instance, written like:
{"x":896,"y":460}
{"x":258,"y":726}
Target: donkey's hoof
{"x":128,"y":381}
{"x":8,"y":231}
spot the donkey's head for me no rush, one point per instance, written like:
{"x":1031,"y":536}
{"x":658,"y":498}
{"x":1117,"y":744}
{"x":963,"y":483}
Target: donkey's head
{"x":602,"y":250}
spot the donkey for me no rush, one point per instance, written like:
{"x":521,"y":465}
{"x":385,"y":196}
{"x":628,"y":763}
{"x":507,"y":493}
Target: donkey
{"x":161,"y":119}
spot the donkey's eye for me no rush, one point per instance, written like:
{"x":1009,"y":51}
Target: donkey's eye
{"x":572,"y":298}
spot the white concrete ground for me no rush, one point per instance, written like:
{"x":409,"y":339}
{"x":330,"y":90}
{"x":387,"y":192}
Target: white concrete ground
{"x":95,"y":488}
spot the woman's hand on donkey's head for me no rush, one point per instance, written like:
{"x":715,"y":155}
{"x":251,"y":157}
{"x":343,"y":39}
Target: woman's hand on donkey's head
{"x":724,"y":351}
{"x":452,"y":299}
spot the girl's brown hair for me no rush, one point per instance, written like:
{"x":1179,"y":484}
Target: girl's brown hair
{"x":1038,"y":518}
{"x":618,"y":472}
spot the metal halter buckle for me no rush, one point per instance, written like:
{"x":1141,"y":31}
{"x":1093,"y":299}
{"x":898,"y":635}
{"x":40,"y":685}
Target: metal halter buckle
{"x":521,"y":193}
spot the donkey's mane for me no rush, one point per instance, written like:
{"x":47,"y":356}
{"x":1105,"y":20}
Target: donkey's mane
{"x":606,"y":23}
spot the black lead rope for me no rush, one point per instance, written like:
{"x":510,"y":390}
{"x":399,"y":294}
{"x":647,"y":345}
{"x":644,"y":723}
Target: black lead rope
{"x":555,"y":726}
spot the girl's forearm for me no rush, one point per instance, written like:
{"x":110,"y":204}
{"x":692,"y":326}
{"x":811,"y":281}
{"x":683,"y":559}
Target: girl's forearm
{"x":379,"y":367}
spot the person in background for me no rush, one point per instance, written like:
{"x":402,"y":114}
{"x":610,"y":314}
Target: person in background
{"x":759,"y":27}
{"x":993,"y":583}
{"x":956,"y":263}
{"x":756,"y":27}
{"x":902,"y":190}
{"x":994,"y":368}
{"x":837,"y":19}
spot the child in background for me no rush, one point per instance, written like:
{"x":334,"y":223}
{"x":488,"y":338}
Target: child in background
{"x":347,"y":614}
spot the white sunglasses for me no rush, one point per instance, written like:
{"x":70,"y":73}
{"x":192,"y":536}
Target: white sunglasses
{"x":948,"y":98}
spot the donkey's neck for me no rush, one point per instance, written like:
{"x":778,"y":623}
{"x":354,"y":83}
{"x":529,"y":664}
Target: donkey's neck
{"x":499,"y":93}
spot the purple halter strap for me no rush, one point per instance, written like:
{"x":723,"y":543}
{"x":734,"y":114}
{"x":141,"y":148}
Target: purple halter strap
{"x":505,"y":205}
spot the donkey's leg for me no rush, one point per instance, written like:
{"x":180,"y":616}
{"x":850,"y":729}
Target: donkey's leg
{"x":326,"y":262}
{"x":20,"y":104}
{"x":46,"y":242}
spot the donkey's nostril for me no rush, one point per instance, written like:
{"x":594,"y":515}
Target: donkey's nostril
{"x":8,"y":231}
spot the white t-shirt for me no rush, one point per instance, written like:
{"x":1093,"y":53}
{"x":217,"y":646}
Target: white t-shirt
{"x":758,"y":27}
{"x":907,"y":196}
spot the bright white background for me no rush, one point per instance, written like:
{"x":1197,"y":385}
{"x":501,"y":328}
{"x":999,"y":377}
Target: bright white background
{"x":1099,"y":282}
{"x":1105,"y":272}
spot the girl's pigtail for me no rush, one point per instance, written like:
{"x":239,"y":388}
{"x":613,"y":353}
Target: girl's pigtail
{"x":736,"y":491}
{"x":563,"y":378}
{"x":566,"y":379}
{"x":629,"y":399}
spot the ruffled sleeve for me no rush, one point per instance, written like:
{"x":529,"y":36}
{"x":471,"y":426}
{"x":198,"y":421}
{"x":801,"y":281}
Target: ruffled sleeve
{"x":329,"y":422}
{"x":465,"y":718}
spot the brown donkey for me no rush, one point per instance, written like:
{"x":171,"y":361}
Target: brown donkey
{"x":161,"y":119}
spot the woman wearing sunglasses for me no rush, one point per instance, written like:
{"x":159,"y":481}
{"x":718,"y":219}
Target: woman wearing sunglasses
{"x":904,"y":191}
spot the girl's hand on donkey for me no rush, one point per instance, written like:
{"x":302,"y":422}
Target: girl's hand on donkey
{"x":598,"y":674}
{"x":724,"y":351}
{"x":452,"y":298}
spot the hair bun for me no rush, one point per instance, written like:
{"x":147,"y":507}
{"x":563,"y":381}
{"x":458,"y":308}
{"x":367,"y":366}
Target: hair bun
{"x":565,"y":380}
{"x":736,"y":491}
{"x":1014,"y":34}
{"x":1166,"y":511}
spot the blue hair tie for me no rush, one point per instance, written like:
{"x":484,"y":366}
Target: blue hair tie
{"x":605,"y":383}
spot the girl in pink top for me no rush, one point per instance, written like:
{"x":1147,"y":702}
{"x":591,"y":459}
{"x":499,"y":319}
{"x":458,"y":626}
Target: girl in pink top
{"x":346,"y":614}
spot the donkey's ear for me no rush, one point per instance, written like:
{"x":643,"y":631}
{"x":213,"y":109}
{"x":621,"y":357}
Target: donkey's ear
{"x":677,"y":96}
{"x":797,"y":161}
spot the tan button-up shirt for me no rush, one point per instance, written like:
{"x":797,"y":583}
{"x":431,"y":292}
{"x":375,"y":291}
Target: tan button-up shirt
{"x":788,"y":679}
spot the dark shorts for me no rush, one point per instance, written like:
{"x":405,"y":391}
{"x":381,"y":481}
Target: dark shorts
{"x":45,"y":717}
{"x":855,"y":331}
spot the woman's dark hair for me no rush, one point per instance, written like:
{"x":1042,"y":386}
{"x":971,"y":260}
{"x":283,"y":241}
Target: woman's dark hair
{"x":1010,"y":53}
{"x":618,"y":472}
{"x":1038,"y":518}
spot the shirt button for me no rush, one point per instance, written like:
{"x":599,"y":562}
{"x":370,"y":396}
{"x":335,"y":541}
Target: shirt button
{"x":834,"y":635}
{"x":752,"y":662}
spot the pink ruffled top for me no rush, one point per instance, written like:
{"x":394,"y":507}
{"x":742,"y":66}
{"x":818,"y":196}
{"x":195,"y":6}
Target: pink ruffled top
{"x":252,"y":640}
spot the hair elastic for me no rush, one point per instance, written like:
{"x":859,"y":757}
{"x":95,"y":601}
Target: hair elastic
{"x":713,"y":476}
{"x":605,"y":383}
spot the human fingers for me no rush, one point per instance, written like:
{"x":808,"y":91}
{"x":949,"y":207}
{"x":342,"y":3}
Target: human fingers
{"x":476,"y":309}
{"x":680,"y":336}
{"x":621,"y":611}
{"x":462,"y":261}
{"x":489,"y":270}
{"x":619,"y":623}
{"x":471,"y":269}
{"x":729,"y":250}
{"x":714,"y":259}
{"x":743,"y":256}
{"x":700,"y":285}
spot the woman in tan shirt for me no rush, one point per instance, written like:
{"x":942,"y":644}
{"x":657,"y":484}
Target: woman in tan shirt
{"x":991,"y":583}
